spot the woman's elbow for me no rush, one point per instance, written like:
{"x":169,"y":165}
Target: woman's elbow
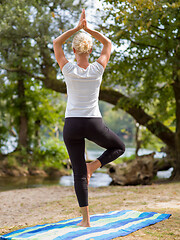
{"x":54,"y":41}
{"x":109,"y":43}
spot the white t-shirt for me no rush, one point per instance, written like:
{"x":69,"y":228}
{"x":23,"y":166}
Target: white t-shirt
{"x":83,"y":89}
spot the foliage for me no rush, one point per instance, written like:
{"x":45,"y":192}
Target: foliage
{"x":51,"y":154}
{"x":124,"y":159}
{"x":27,"y":29}
{"x":119,"y":122}
{"x":149,"y":141}
{"x":146,"y":36}
{"x":144,"y":65}
{"x":124,"y":126}
{"x":11,"y":161}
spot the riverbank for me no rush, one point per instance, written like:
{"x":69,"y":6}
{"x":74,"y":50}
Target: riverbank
{"x":28,"y":207}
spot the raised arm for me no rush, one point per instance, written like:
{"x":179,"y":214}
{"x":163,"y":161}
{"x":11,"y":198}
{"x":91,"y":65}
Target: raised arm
{"x":59,"y":41}
{"x":106,"y":51}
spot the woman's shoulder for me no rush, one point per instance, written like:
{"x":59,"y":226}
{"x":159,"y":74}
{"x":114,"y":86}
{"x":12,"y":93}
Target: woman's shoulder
{"x":98,"y":67}
{"x":67,"y":67}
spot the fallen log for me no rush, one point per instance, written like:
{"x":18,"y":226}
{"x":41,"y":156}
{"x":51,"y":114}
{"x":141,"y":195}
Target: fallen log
{"x":138,"y":171}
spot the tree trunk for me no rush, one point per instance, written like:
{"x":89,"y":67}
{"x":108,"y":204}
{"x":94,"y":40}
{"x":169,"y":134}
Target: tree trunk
{"x":138,"y":141}
{"x":37,"y":135}
{"x":23,"y":118}
{"x":176,"y":87}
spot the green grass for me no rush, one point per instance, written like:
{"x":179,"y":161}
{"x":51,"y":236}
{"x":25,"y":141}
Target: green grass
{"x":124,"y":159}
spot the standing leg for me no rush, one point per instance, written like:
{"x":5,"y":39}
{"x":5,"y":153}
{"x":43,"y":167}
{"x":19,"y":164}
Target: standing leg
{"x":86,"y":219}
{"x":75,"y":145}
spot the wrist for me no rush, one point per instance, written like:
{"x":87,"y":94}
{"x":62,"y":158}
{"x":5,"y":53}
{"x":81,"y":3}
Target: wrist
{"x":77,"y":29}
{"x":86,"y":29}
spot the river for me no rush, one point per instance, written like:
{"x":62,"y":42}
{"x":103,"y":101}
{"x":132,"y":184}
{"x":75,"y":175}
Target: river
{"x":98,"y":179}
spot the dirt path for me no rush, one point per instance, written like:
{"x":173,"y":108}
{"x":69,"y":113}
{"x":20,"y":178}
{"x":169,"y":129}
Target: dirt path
{"x":29,"y":207}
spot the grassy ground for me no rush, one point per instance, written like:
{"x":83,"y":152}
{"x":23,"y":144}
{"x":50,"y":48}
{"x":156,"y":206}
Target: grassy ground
{"x":28,"y":207}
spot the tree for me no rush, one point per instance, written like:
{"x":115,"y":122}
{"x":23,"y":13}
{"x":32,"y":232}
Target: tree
{"x":119,"y":122}
{"x":148,"y":70}
{"x":26,"y":28}
{"x":148,"y":66}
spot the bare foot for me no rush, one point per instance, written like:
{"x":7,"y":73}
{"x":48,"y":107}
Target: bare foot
{"x":91,"y":167}
{"x":89,"y":172}
{"x":84,"y":224}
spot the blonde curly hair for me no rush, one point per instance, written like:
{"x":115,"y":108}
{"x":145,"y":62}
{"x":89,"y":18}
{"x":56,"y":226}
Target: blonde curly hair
{"x":82,"y":43}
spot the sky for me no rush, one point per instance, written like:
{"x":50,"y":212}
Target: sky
{"x":92,"y":16}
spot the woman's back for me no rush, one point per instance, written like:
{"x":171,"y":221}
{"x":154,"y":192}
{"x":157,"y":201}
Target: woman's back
{"x":83,"y":89}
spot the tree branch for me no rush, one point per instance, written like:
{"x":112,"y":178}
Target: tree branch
{"x":143,"y":44}
{"x":53,"y":84}
{"x":113,"y":97}
{"x":155,"y":33}
{"x":161,"y":29}
{"x":155,"y":127}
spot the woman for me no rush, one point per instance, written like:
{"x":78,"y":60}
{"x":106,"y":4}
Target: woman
{"x":83,"y":118}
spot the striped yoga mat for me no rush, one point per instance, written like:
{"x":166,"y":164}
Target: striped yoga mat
{"x":103,"y":226}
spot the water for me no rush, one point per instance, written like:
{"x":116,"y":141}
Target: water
{"x":98,"y":179}
{"x":165,"y":174}
{"x":93,"y":154}
{"x":10,"y":183}
{"x":103,"y":179}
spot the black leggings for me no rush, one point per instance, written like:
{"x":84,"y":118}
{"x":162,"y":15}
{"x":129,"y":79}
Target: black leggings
{"x":76,"y":129}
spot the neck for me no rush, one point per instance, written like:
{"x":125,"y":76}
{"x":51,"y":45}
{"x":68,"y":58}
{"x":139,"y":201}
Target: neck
{"x":82,"y":60}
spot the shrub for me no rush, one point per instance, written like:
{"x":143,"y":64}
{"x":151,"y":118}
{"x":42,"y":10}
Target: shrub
{"x":51,"y":154}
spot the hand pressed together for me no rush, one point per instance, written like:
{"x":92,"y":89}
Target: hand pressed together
{"x":82,"y":22}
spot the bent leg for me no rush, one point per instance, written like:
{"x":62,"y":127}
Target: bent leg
{"x":99,"y":133}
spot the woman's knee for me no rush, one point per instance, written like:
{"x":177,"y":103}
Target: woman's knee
{"x":80,"y":181}
{"x":120,"y":150}
{"x":121,"y":147}
{"x":80,"y":173}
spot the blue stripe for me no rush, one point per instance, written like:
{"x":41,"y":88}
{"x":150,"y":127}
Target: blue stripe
{"x":62,"y":224}
{"x":94,"y":218}
{"x":124,"y":232}
{"x":112,"y":225}
{"x":32,"y":228}
{"x":164,"y":216}
{"x":105,"y":227}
